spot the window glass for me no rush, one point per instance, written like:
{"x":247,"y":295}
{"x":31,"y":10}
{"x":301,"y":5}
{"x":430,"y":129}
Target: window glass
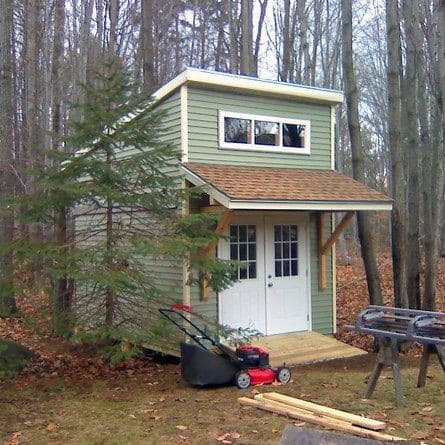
{"x":243,"y":248}
{"x":294,"y":135}
{"x":237,"y":130}
{"x":286,"y":250}
{"x":267,"y":133}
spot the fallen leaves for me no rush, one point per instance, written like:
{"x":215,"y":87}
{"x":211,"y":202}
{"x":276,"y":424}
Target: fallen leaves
{"x":52,"y":426}
{"x":181,"y":427}
{"x":228,"y":438}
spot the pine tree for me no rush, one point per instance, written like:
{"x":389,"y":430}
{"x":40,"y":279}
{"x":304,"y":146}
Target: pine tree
{"x":122,"y":187}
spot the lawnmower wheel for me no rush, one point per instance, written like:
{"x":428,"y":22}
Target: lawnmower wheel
{"x":284,"y":375}
{"x":242,"y":379}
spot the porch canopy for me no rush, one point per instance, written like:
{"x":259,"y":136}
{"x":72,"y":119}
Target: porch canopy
{"x":270,"y":188}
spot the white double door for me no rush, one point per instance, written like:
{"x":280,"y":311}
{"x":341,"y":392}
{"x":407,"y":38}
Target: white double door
{"x":272,"y":291}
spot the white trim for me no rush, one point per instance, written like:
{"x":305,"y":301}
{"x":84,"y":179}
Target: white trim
{"x":249,"y":84}
{"x":265,"y":148}
{"x":184,"y":124}
{"x":334,"y":279}
{"x":309,"y":276}
{"x":333,"y":137}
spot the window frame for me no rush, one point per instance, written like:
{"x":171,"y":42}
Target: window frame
{"x":306,"y":150}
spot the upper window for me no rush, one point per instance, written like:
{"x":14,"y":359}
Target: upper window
{"x":263,"y":133}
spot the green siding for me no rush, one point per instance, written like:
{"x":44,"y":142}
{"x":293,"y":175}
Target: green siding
{"x":203,"y":107}
{"x":322,"y":310}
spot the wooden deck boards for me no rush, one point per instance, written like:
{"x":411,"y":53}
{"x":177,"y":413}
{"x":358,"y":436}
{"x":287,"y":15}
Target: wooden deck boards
{"x":305,"y":347}
{"x":296,"y":348}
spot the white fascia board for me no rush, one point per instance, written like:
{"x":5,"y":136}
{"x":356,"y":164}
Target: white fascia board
{"x":255,"y":85}
{"x":326,"y":206}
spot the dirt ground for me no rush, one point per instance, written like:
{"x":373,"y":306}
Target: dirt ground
{"x":153,"y":405}
{"x":69,"y":394}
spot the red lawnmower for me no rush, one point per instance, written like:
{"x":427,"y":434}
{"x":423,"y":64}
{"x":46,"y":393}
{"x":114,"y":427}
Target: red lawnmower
{"x":209,"y":362}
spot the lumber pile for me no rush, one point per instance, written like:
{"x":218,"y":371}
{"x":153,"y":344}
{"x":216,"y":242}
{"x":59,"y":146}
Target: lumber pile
{"x":319,"y":415}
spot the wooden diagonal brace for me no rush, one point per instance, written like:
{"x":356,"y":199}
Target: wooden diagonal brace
{"x":221,"y":227}
{"x":324,"y":247}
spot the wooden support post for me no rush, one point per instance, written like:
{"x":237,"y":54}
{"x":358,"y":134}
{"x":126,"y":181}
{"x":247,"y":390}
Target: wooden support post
{"x":322,"y":284}
{"x":324,"y":247}
{"x":221,"y":227}
{"x":185,"y":211}
{"x":388,"y":356}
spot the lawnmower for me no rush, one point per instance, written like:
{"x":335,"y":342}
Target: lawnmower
{"x":208,"y":362}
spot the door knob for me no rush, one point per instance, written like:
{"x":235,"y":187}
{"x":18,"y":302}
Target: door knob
{"x":269,"y":284}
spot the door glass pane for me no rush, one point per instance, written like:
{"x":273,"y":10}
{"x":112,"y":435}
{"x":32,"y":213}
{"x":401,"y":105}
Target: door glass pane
{"x":267,"y":133}
{"x":233,"y":234}
{"x":278,"y":272}
{"x":286,"y":268}
{"x":293,"y":250}
{"x":243,"y":251}
{"x":252,"y":269}
{"x":237,"y":130}
{"x":251,"y":233}
{"x":252,"y":251}
{"x":285,"y":233}
{"x":277,"y":232}
{"x":243,"y":248}
{"x":286,"y":250}
{"x":294,"y":267}
{"x":233,"y":251}
{"x":278,"y":250}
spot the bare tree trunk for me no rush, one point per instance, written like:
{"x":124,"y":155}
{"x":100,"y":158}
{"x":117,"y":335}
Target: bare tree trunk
{"x":411,"y":144}
{"x":256,"y":51}
{"x":63,"y":287}
{"x":114,"y":15}
{"x":436,"y":175}
{"x":7,"y":300}
{"x":147,"y":45}
{"x":233,"y":31}
{"x":246,"y":66}
{"x":365,"y":226}
{"x":397,"y":178}
{"x":286,"y":50}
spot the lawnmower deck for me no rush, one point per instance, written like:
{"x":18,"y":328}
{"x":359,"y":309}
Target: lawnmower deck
{"x":298,"y":348}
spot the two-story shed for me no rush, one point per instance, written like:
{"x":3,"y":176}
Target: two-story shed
{"x":263,"y":152}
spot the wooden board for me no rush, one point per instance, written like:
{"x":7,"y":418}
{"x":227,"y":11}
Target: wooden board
{"x":307,"y":416}
{"x":324,"y":410}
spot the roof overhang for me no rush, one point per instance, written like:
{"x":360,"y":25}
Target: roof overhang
{"x":276,"y":204}
{"x":227,"y":81}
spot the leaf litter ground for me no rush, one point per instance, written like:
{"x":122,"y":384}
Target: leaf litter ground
{"x":69,"y":394}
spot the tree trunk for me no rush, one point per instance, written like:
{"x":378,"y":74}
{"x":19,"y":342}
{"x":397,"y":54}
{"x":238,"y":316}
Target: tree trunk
{"x":233,"y":31}
{"x":436,"y":175}
{"x":147,"y":45}
{"x":365,"y":226}
{"x":63,"y":287}
{"x":246,"y":66}
{"x":286,"y":49}
{"x":411,"y":148}
{"x":256,"y":52}
{"x":7,"y":300}
{"x":397,"y":170}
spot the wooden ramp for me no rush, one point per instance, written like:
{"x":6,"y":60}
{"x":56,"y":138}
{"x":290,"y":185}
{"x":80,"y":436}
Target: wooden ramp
{"x":298,"y":348}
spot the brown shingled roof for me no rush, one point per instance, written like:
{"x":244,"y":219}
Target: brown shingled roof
{"x":284,"y":184}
